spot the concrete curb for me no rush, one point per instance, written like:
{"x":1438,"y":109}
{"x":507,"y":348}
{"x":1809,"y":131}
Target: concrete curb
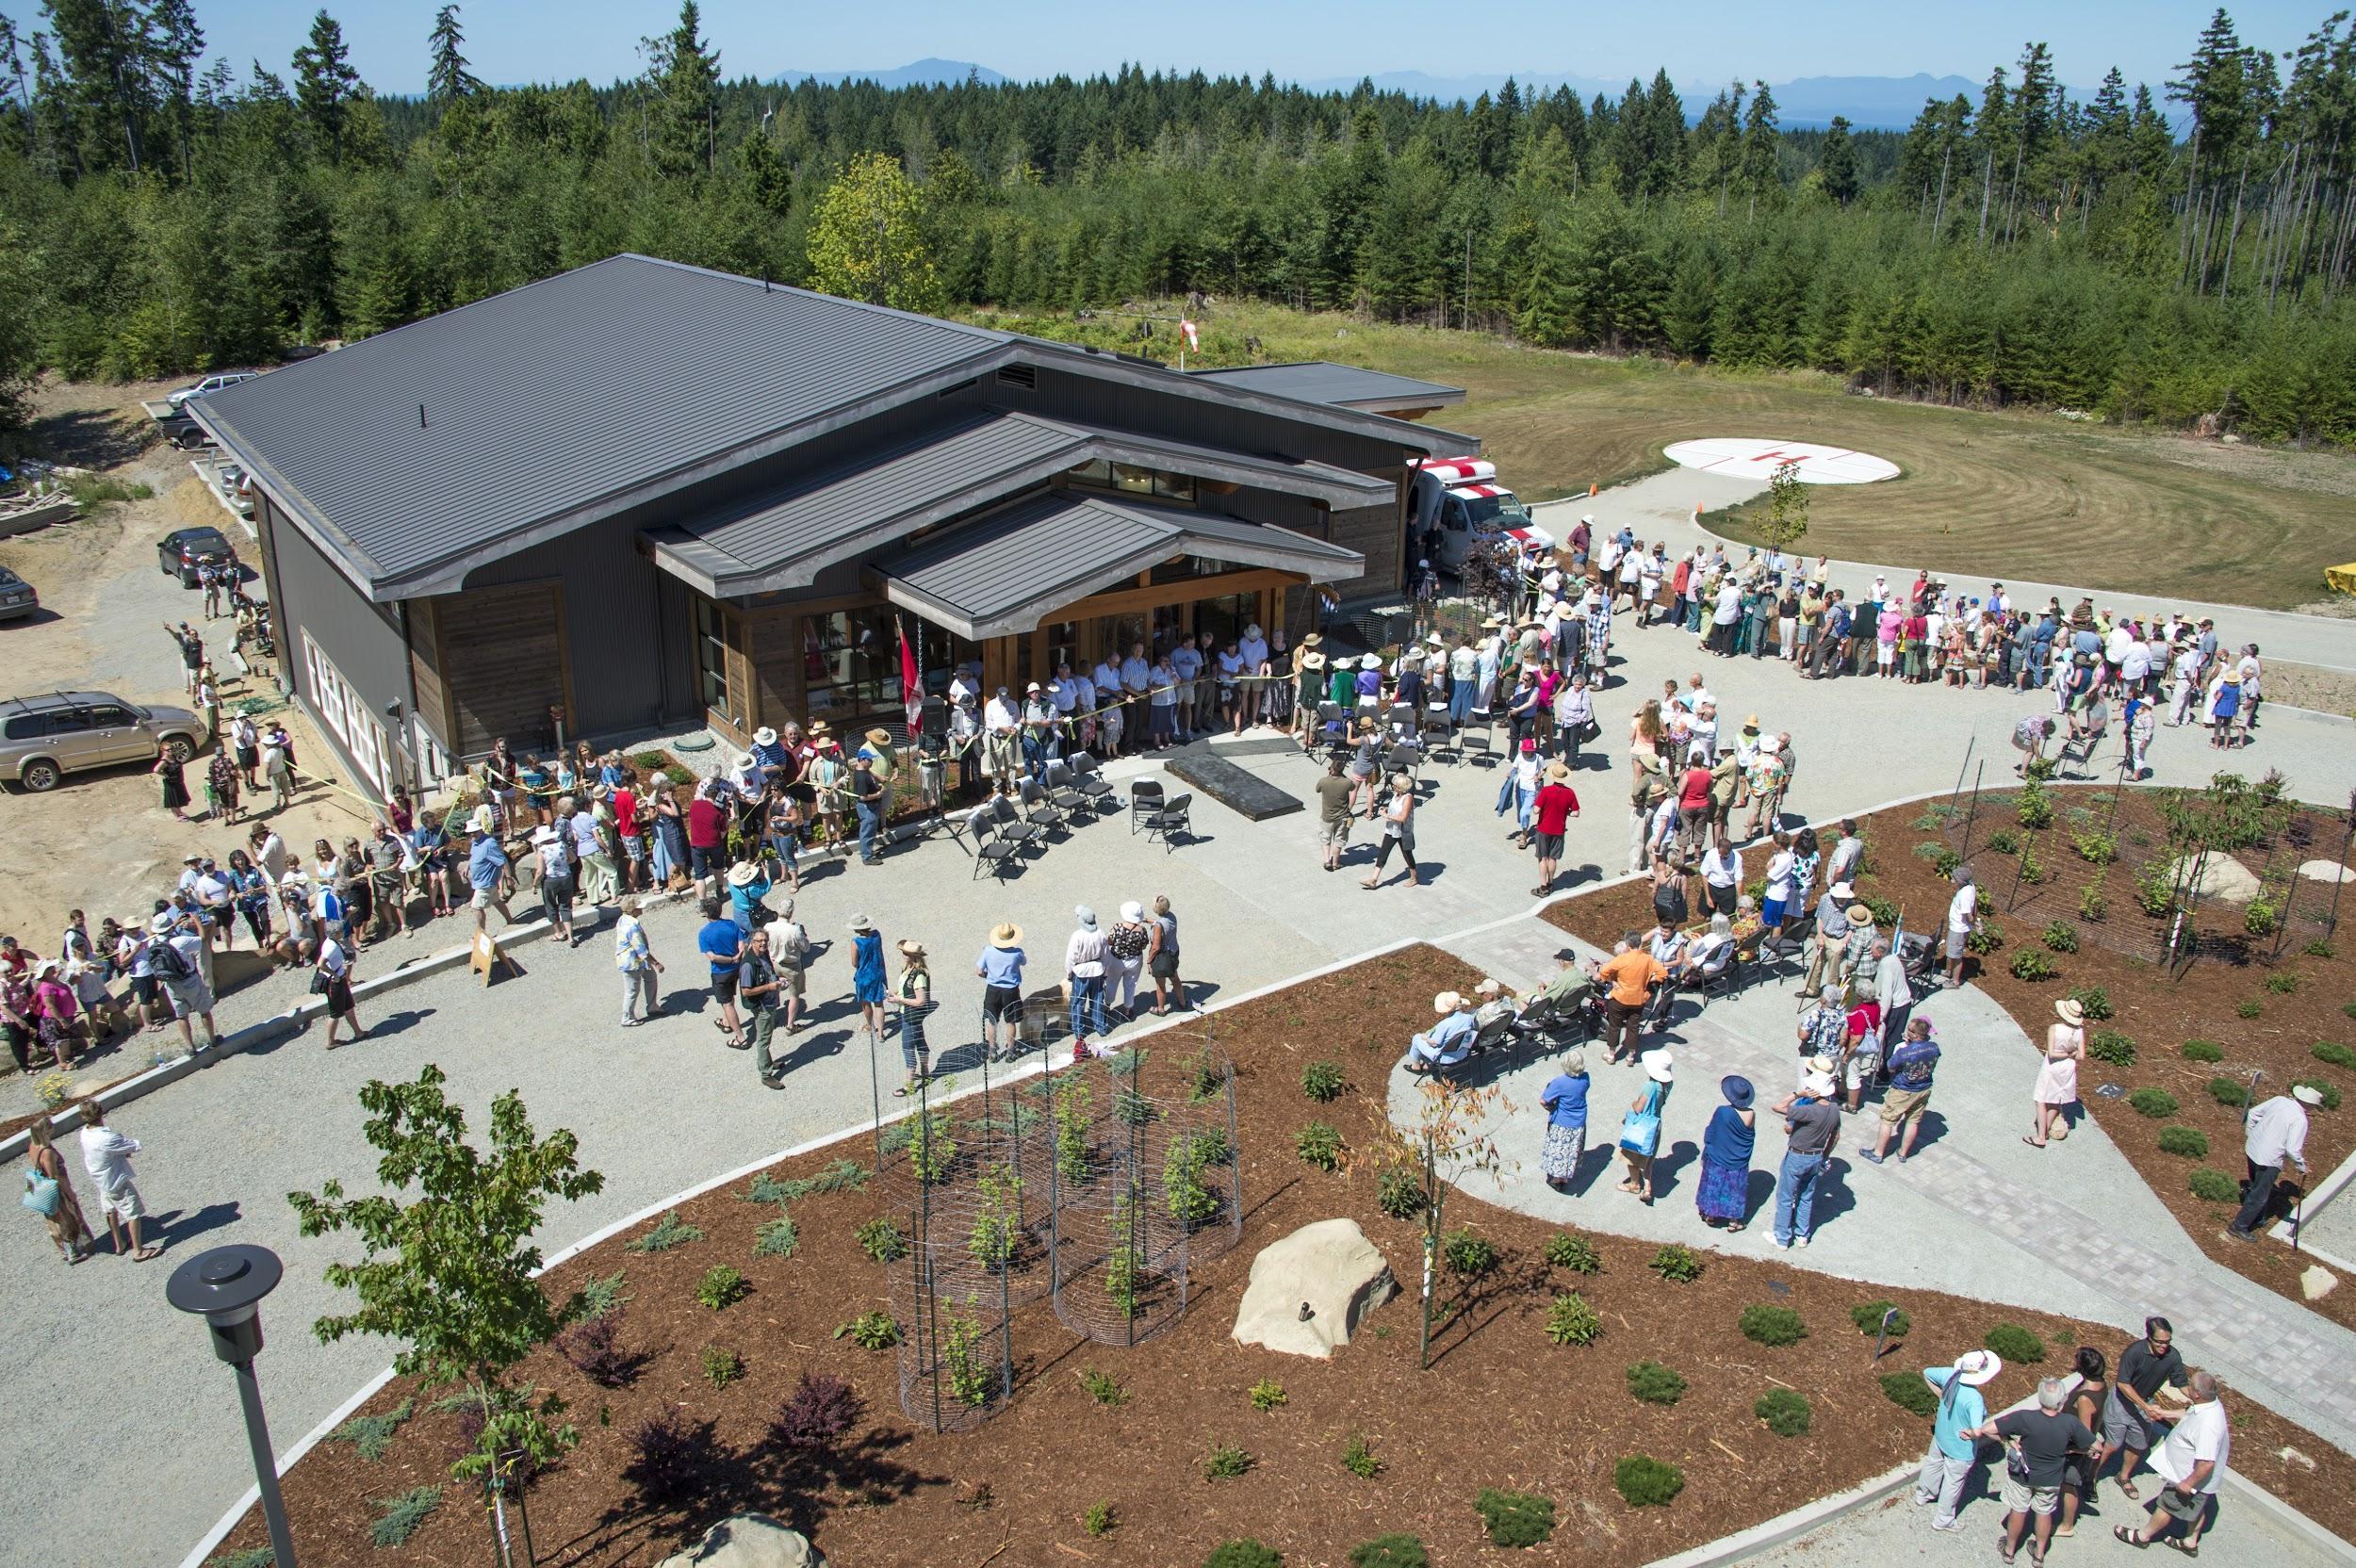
{"x":2326,"y":1191}
{"x":1785,"y":1527}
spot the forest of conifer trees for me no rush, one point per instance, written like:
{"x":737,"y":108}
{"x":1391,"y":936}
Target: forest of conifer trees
{"x":2028,"y":247}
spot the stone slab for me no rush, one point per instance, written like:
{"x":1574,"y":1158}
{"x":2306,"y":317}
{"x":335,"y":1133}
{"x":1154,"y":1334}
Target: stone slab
{"x":1245,"y":794}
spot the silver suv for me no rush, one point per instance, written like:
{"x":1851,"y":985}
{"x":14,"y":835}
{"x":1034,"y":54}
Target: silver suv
{"x":44,"y":738}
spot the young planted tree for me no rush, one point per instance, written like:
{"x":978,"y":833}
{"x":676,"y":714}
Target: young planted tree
{"x":448,"y":1263}
{"x":1786,"y":522}
{"x":1447,"y":1139}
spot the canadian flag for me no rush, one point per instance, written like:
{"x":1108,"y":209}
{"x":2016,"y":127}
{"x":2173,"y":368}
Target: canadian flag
{"x":1194,"y":339}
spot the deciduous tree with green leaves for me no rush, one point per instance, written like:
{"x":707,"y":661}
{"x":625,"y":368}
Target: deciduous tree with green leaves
{"x":867,"y":241}
{"x":1786,"y":523}
{"x":448,"y":1265}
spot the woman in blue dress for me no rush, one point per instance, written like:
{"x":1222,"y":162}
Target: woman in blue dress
{"x":1724,"y":1197}
{"x":868,"y":983}
{"x":1565,"y":1101}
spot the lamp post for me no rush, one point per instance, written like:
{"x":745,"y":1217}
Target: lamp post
{"x":226,"y":1287}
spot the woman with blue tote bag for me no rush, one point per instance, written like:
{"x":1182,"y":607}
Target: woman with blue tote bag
{"x":1640,"y":1130}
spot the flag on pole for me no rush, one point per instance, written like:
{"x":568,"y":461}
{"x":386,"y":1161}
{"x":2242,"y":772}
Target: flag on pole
{"x":1186,"y":330}
{"x":911,"y":679}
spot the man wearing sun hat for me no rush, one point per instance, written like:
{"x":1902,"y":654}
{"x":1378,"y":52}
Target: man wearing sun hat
{"x":999,"y":968}
{"x":1811,"y":1120}
{"x":1447,"y":1042}
{"x":487,"y":864}
{"x":2275,"y":1131}
{"x":1551,"y":812}
{"x":1954,"y":1426}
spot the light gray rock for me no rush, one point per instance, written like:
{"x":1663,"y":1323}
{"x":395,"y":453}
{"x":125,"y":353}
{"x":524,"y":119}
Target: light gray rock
{"x":1332,"y":1269}
{"x":2317,"y":1282}
{"x":748,"y":1541}
{"x":2326,"y":870}
{"x":2224,"y":878}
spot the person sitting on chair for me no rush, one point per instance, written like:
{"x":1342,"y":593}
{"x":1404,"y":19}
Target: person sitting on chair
{"x":1709,"y":952}
{"x":1495,"y":1004}
{"x":1448,"y":1042}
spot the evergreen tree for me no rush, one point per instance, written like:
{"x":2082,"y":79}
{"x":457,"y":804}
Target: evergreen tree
{"x":179,"y":43}
{"x":2214,"y":87}
{"x":103,"y":48}
{"x":1760,"y":146}
{"x":1837,"y":162}
{"x":683,"y":76}
{"x":2106,"y":148}
{"x":325,"y":84}
{"x":447,"y":77}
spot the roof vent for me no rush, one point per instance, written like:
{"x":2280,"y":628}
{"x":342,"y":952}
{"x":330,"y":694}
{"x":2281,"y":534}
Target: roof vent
{"x":1024,"y":376}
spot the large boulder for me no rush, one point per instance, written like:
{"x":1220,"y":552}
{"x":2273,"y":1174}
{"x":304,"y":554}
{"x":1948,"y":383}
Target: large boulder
{"x":2326,"y":870}
{"x":1331,"y":1267}
{"x":2224,"y":878}
{"x":748,"y":1541}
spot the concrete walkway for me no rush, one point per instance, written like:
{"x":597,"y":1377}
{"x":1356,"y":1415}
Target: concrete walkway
{"x":662,"y":1108}
{"x":1661,"y":507}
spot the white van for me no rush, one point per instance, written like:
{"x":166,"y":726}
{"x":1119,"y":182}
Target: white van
{"x":1461,"y":498}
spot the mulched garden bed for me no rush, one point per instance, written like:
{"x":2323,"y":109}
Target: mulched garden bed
{"x":2259,"y":1016}
{"x":1501,"y":1406}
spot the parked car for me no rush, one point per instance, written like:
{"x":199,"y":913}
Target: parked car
{"x":184,"y":550}
{"x":185,"y":434}
{"x":44,"y":738}
{"x":17,"y":598}
{"x":211,"y":383}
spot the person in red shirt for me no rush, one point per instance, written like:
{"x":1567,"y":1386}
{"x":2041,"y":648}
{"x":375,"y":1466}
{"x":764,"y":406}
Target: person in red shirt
{"x":1552,"y":808}
{"x":1861,"y":1045}
{"x":707,"y":839}
{"x":1693,"y":802}
{"x":633,"y":837}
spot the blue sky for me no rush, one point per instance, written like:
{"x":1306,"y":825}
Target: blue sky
{"x":1699,"y":40}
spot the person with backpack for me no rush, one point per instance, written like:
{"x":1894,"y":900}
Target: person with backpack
{"x":174,"y":950}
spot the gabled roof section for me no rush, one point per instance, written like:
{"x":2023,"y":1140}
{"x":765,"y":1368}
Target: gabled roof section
{"x":1318,"y":380}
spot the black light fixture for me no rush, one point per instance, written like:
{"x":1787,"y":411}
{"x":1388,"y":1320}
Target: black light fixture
{"x":225,"y":1286}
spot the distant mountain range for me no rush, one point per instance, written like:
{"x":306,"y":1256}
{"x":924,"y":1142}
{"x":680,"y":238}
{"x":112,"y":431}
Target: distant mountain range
{"x":1871,"y":103}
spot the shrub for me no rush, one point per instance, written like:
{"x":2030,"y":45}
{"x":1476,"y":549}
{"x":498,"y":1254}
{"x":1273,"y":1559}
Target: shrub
{"x":1226,"y":1462}
{"x":777,"y":1238}
{"x":252,"y":1556}
{"x":2061,"y":936}
{"x":721,"y":1288}
{"x":1098,"y":1521}
{"x":2155,"y":887}
{"x":871,"y":1331}
{"x":1514,"y":1518}
{"x":2015,"y":1343}
{"x":1103,"y":1387}
{"x":1645,"y":1482}
{"x":370,"y":1435}
{"x":1390,"y":1551}
{"x":397,"y":1518}
{"x":672,"y":1458}
{"x":721,"y":1366}
{"x":2031,"y":964}
{"x":2002,"y":842}
{"x":1654,"y":1384}
{"x":2319,"y":948}
{"x":2204,"y":1050}
{"x":881,"y":1240}
{"x":2031,"y":868}
{"x":2282,"y":985}
{"x":1323,"y":1080}
{"x":2349,"y":1007}
{"x":2035,"y":809}
{"x":1243,"y":1554}
{"x":2188,"y":1141}
{"x":1909,"y":1392}
{"x":1319,"y":1145}
{"x":2095,"y":849}
{"x":1267,"y":1395}
{"x":1358,"y":1458}
{"x":1983,"y":938}
{"x":2094,"y":998}
{"x":1400,"y":1193}
{"x":2229,"y":1091}
{"x":1772,"y":1326}
{"x":2330,"y":1091}
{"x":1884,"y":910}
{"x":669,"y":1231}
{"x":2092,"y":905}
{"x":604,"y":1296}
{"x":1468,"y":1253}
{"x":2261,"y":916}
{"x":1571,"y":1321}
{"x":2247,"y":1009}
{"x":821,"y":1409}
{"x":1678,"y":1264}
{"x":2152,"y":1103}
{"x":1573,"y":1253}
{"x":968,"y":1366}
{"x":1868,"y":1317}
{"x":765,"y":1189}
{"x":1942,"y":857}
{"x":2334,"y":1054}
{"x":2213,"y":1186}
{"x":594,"y":1347}
{"x":1785,"y":1411}
{"x":2109,"y":1045}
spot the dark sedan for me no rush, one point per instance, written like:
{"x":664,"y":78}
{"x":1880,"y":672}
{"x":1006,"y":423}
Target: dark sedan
{"x":17,"y":598}
{"x":183,"y":551}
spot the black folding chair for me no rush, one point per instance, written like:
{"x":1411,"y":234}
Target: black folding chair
{"x":1088,"y":779}
{"x":1064,"y":791}
{"x":993,"y":852}
{"x":1170,"y":820}
{"x":1038,"y":808}
{"x":1145,"y":799}
{"x":1025,"y":834}
{"x":1404,"y":758}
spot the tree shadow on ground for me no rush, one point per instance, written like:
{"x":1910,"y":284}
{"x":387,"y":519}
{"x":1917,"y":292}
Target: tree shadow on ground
{"x":90,"y":437}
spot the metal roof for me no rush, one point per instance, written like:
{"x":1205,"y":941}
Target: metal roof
{"x":473,"y":424}
{"x":1007,"y":571}
{"x":1319,"y":381}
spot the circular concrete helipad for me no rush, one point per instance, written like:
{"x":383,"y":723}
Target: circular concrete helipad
{"x":1739,"y":456}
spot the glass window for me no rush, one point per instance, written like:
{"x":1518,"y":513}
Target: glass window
{"x":712,"y":657}
{"x":1132,"y":479}
{"x":851,"y":662}
{"x":108,"y":718}
{"x":28,"y":726}
{"x":1175,"y":487}
{"x":1098,"y":473}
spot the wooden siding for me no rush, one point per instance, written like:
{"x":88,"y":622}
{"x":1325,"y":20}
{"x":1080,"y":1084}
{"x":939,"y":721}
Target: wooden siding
{"x":425,"y":675}
{"x":503,"y":652}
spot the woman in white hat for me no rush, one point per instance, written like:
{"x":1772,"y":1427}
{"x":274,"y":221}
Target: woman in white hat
{"x":1399,"y":832}
{"x":2058,"y":1079}
{"x":913,"y":996}
{"x":1124,"y":958}
{"x":1640,"y":1129}
{"x":553,"y":852}
{"x":1956,"y":1428}
{"x":1084,"y":956}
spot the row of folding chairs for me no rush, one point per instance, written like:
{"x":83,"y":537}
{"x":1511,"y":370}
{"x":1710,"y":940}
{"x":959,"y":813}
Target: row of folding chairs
{"x":1070,"y":791}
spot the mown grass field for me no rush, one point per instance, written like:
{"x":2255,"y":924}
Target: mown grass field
{"x":2031,"y":496}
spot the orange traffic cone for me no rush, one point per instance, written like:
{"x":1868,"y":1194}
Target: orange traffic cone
{"x":1590,"y":490}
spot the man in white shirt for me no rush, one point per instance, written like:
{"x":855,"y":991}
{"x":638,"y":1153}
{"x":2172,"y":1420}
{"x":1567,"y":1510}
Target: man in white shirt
{"x":1185,"y":662}
{"x":1961,"y":911}
{"x":2275,"y":1131}
{"x":106,"y":1155}
{"x":1135,"y":676}
{"x":2192,"y":1465}
{"x":963,"y":683}
{"x":1001,"y":730}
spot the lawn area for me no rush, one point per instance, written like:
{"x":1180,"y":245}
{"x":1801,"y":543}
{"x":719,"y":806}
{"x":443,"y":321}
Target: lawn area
{"x":2028,"y":496}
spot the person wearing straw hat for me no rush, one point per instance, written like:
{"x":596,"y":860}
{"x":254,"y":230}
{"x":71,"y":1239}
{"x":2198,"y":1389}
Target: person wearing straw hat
{"x":999,"y":970}
{"x":486,"y":866}
{"x":1447,"y":1042}
{"x":1639,"y":1128}
{"x":913,"y":996}
{"x":1551,"y":811}
{"x":1084,"y":962}
{"x":2057,"y":1076}
{"x":1812,"y":1120}
{"x":1310,"y":674}
{"x":1399,"y":832}
{"x":1955,"y":1425}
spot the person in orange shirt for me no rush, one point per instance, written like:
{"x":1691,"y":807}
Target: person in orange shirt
{"x":1632,"y":972}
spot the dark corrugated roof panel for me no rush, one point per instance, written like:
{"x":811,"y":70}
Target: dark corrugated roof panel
{"x":1048,"y":544}
{"x":1318,"y":380}
{"x":559,"y":394}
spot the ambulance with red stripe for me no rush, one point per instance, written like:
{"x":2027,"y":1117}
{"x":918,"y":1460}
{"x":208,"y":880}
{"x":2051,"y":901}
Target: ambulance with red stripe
{"x":1460,"y":502}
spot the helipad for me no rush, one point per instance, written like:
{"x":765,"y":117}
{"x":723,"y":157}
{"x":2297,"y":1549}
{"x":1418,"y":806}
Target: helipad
{"x":1742,"y":456}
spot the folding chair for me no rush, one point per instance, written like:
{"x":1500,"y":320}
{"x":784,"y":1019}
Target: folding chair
{"x":1404,"y":758}
{"x":1439,"y":736}
{"x":1145,"y":798}
{"x":1170,"y":820}
{"x":1088,"y":779}
{"x":1487,"y":721}
{"x":1064,"y":791}
{"x":994,"y":852}
{"x":1024,"y":835}
{"x":1038,"y":808}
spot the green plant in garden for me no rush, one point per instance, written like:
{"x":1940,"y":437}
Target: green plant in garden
{"x":1184,"y":1195}
{"x":1399,"y":1192}
{"x":2061,"y":936}
{"x":722,"y":1287}
{"x":962,"y":1356}
{"x":1074,"y":1108}
{"x":2282,"y":984}
{"x":2015,"y":1344}
{"x":1514,"y":1518}
{"x":1103,"y":1387}
{"x":2092,"y":905}
{"x":252,"y":1556}
{"x":1319,"y":1145}
{"x":1206,"y":1076}
{"x":2031,"y":964}
{"x":1784,"y":1410}
{"x":2152,"y":1103}
{"x":1574,"y":1253}
{"x":881,"y":1240}
{"x":2204,"y":1050}
{"x":1468,"y":1252}
{"x":601,"y":1296}
{"x":2349,"y":1007}
{"x":871,"y":1331}
{"x":1243,"y":1554}
{"x":2247,"y":1009}
{"x":2095,"y":849}
{"x":932,"y":1143}
{"x":2155,"y":887}
{"x":1867,"y":1315}
{"x":2031,"y":868}
{"x":1771,"y":1325}
{"x":2213,"y":1186}
{"x":2188,"y":1141}
{"x":2319,"y":948}
{"x":1936,"y":815}
{"x":1323,"y":1080}
{"x":1390,"y":1551}
{"x":1654,"y":1384}
{"x":1571,"y":1321}
{"x":2261,"y":917}
{"x":1132,"y":1109}
{"x":1680,"y":1265}
{"x":1125,"y":1267}
{"x":2332,"y":1054}
{"x":766,"y":1188}
{"x":1909,"y":1392}
{"x":777,"y":1238}
{"x":2330,"y":1091}
{"x":1884,"y":910}
{"x":1267,"y":1395}
{"x":1226,"y":1462}
{"x":2094,"y":1000}
{"x":1646,"y":1482}
{"x":397,"y":1518}
{"x":1098,"y":1521}
{"x":997,"y":1216}
{"x":2109,"y":1045}
{"x":370,"y":1435}
{"x":2229,"y":1091}
{"x":2002,"y":842}
{"x":667,"y":1232}
{"x":1359,"y":1459}
{"x":1983,"y":938}
{"x":721,"y":1366}
{"x":2035,"y":807}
